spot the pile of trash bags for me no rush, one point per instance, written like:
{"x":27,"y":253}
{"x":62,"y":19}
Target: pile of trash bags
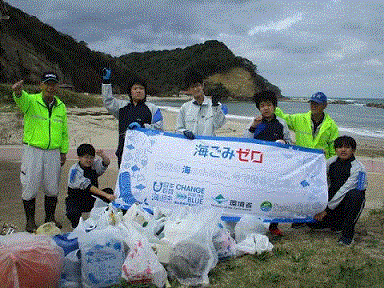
{"x":142,"y":246}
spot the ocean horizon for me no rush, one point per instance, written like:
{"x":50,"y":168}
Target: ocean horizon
{"x":354,"y":118}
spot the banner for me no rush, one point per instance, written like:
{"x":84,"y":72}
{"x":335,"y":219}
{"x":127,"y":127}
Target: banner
{"x":234,"y":175}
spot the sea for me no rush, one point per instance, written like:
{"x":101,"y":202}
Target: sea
{"x":352,"y":118}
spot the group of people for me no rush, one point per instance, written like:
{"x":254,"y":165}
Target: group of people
{"x":45,"y":144}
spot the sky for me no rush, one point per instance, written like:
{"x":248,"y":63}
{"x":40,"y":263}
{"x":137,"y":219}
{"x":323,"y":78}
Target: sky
{"x":301,"y":46}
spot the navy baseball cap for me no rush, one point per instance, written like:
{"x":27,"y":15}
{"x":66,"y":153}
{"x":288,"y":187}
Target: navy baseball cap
{"x":319,"y":97}
{"x":49,"y":76}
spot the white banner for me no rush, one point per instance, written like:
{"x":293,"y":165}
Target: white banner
{"x":235,"y":175}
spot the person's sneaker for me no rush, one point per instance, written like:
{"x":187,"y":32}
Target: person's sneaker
{"x":345,"y":241}
{"x":276,"y":231}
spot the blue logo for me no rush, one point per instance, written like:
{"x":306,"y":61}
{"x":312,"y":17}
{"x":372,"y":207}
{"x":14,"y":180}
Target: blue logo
{"x":157,"y":186}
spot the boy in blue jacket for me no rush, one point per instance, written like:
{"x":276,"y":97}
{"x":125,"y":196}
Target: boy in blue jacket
{"x":268,"y":127}
{"x":83,"y":185}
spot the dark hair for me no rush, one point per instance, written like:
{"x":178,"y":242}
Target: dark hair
{"x":346,"y":141}
{"x":191,"y":77}
{"x":85,"y":149}
{"x":137,"y":81}
{"x":265,"y":96}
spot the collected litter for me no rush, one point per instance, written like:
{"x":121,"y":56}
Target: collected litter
{"x":48,"y":228}
{"x":140,"y":247}
{"x":28,"y":260}
{"x":7,"y":228}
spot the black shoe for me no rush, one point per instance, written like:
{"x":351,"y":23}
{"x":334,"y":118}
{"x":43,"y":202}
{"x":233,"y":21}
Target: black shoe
{"x":29,"y":208}
{"x":50,"y":208}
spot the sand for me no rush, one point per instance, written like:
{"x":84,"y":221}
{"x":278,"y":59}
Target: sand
{"x":96,"y":126}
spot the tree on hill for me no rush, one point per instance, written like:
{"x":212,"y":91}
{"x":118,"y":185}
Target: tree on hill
{"x":28,"y":47}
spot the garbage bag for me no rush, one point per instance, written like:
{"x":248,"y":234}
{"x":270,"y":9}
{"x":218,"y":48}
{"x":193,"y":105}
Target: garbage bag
{"x":102,"y":256}
{"x":148,"y":225}
{"x":141,"y":265}
{"x":68,"y":245}
{"x":48,"y":228}
{"x":224,"y":244}
{"x":29,"y":261}
{"x":71,"y":273}
{"x":193,"y":254}
{"x":254,"y":243}
{"x":247,"y":225}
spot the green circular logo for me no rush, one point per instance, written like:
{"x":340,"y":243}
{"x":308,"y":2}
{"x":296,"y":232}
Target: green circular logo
{"x":266,"y":206}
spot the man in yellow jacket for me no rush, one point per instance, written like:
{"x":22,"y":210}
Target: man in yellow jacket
{"x":45,"y":145}
{"x":314,"y":129}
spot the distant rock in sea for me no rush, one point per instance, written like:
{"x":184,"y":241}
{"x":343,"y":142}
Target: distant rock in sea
{"x":375,"y":105}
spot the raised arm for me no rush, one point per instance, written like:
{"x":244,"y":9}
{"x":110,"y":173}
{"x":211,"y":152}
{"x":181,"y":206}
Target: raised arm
{"x":290,"y":119}
{"x":111,"y":103}
{"x":20,"y":96}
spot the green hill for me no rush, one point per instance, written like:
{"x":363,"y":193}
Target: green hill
{"x":28,"y":47}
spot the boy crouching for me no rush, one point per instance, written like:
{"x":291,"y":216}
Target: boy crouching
{"x":346,"y":192}
{"x":83,"y":183}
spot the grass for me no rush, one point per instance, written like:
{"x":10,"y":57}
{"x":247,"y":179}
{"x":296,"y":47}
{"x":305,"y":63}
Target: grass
{"x":305,"y":258}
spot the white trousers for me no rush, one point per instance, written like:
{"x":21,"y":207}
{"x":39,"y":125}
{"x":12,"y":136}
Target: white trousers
{"x":39,"y":168}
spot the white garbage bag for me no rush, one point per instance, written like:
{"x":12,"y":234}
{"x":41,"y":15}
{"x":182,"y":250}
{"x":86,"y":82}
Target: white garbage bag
{"x":247,"y":225}
{"x":254,"y":243}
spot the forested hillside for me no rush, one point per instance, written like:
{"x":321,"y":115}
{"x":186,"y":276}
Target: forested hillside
{"x":28,"y":47}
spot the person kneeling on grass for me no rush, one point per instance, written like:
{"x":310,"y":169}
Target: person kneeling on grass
{"x":346,"y":192}
{"x":83,"y":184}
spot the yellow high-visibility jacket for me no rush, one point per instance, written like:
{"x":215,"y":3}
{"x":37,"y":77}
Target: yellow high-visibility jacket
{"x":302,"y":125}
{"x":43,"y":129}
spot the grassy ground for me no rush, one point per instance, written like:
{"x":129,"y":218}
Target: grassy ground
{"x":306,"y":258}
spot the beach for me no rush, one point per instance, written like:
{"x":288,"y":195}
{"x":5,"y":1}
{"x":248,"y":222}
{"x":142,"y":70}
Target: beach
{"x":97,"y":127}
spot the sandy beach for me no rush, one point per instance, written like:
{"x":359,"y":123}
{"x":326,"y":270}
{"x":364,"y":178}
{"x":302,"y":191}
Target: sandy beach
{"x":96,"y":126}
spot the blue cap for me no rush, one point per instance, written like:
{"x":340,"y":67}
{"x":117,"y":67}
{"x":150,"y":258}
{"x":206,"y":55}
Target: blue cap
{"x":319,"y":97}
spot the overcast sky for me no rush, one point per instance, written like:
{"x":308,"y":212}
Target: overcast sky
{"x":301,"y":46}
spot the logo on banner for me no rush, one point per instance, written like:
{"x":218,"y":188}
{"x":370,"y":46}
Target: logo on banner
{"x":266,"y":206}
{"x":220,"y":199}
{"x":157,"y":186}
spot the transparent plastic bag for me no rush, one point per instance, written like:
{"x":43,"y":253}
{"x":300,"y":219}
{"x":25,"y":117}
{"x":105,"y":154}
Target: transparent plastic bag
{"x":254,"y":243}
{"x":224,"y":244}
{"x":141,"y":265}
{"x":149,"y":225}
{"x":29,"y":261}
{"x":102,"y":255}
{"x":247,"y":225}
{"x":71,"y":274}
{"x":193,"y":254}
